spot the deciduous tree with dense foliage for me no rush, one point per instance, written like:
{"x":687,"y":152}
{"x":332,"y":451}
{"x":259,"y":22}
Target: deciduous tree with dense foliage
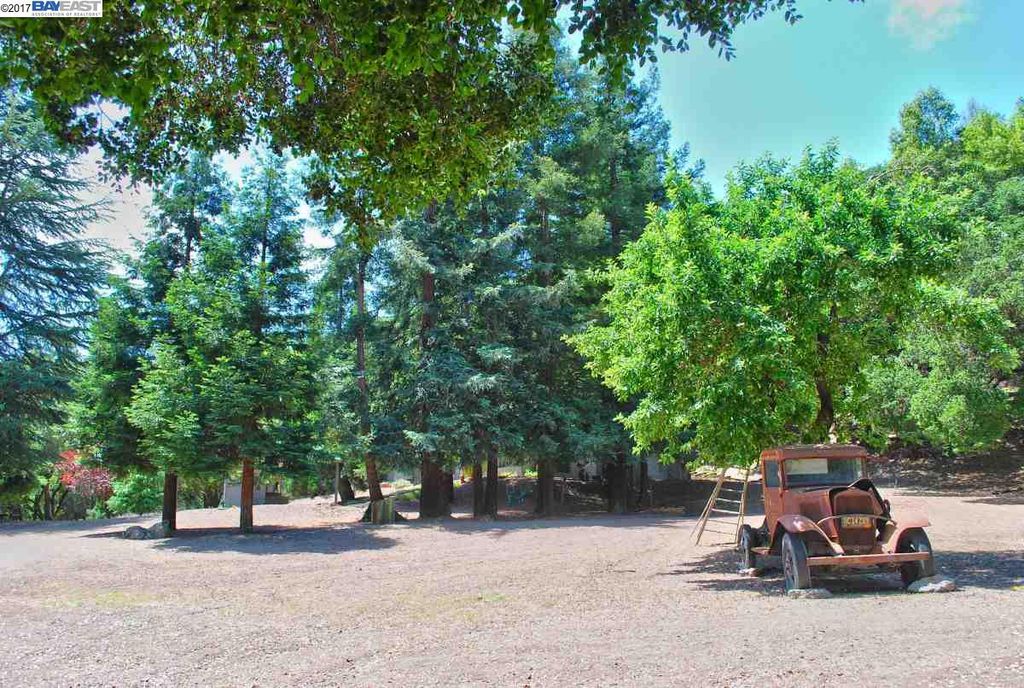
{"x":412,"y":101}
{"x":950,"y":382}
{"x":741,"y":323}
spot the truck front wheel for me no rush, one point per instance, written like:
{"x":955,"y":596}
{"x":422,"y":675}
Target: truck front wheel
{"x":915,"y":540}
{"x":748,"y":540}
{"x":794,"y":563}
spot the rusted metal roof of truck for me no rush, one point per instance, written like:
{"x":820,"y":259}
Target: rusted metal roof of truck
{"x":815,"y":451}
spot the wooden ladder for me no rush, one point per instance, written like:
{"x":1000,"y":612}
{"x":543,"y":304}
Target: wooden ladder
{"x":725,"y":506}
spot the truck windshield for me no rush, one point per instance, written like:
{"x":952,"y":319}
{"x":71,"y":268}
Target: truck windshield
{"x":823,"y":471}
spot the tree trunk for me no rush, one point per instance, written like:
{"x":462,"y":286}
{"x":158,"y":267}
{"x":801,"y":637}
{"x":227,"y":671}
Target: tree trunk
{"x":491,"y":491}
{"x":248,"y":483}
{"x":337,"y":482}
{"x":449,"y":485}
{"x":433,"y":492}
{"x":345,"y":490}
{"x":478,"y":490}
{"x":47,"y":503}
{"x":826,"y":419}
{"x":372,"y":475}
{"x":170,"y":511}
{"x":644,"y":483}
{"x":433,"y":496}
{"x":631,"y":501}
{"x":613,"y":223}
{"x":538,"y":492}
{"x":373,"y":479}
{"x":545,"y":492}
{"x":618,"y":490}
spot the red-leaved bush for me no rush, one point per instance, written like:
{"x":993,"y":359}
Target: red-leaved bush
{"x":82,"y":480}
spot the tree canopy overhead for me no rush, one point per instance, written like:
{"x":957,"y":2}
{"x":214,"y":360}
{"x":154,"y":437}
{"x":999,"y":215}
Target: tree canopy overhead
{"x":405,"y":101}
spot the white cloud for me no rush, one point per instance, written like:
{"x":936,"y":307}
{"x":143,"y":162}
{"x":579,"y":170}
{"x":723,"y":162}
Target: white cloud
{"x":926,"y":22}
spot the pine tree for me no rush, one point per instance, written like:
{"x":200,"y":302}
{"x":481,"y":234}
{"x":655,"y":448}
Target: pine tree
{"x":232,"y":387}
{"x":586,"y":184}
{"x":481,"y":299}
{"x":48,"y":281}
{"x":135,"y":315}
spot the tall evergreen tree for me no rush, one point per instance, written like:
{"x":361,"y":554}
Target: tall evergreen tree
{"x":135,"y":314}
{"x":483,"y":297}
{"x":587,"y":185}
{"x":48,"y":280}
{"x":233,"y":387}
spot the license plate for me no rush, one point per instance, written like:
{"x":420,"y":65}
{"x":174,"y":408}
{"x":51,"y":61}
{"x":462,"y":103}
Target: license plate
{"x":856,"y":522}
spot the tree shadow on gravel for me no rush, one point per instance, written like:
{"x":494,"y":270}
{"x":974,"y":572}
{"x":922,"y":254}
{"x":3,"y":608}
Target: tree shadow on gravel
{"x":276,"y":540}
{"x":992,"y":570}
{"x":501,"y":527}
{"x":1002,"y":498}
{"x":718,"y":571}
{"x":21,"y":528}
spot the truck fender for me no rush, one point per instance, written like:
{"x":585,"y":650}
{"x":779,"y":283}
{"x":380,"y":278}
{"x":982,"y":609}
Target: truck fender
{"x":800,"y":525}
{"x":895,"y":533}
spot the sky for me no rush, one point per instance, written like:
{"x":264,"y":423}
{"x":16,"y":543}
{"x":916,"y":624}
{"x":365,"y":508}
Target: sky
{"x":842,"y":72}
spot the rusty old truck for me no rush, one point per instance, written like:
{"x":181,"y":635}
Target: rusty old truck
{"x":822,"y":512}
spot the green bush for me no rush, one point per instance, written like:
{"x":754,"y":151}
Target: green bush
{"x":137,"y":493}
{"x":410,"y":496}
{"x":98,"y":511}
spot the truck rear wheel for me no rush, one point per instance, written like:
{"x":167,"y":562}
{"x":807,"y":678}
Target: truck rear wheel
{"x":794,"y":563}
{"x":915,"y":540}
{"x":748,"y":540}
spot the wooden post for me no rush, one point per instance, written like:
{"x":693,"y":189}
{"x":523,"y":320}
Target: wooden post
{"x":337,"y":480}
{"x":170,"y":510}
{"x":245,"y":521}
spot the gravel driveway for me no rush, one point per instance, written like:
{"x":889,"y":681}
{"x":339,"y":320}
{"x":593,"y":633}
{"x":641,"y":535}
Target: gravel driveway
{"x":595,"y":601}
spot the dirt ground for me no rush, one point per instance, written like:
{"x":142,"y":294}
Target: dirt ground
{"x":579,"y":601}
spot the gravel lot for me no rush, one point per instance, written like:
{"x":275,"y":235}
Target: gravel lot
{"x":596,"y":601}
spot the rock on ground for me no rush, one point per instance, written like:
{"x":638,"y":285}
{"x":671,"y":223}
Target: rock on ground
{"x":809,"y":594}
{"x":932,"y":584}
{"x":157,"y":531}
{"x":136,"y":533}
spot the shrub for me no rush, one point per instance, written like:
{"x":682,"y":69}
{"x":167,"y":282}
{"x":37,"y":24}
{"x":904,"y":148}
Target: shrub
{"x":137,"y":493}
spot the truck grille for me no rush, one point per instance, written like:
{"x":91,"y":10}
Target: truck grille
{"x":855,"y":540}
